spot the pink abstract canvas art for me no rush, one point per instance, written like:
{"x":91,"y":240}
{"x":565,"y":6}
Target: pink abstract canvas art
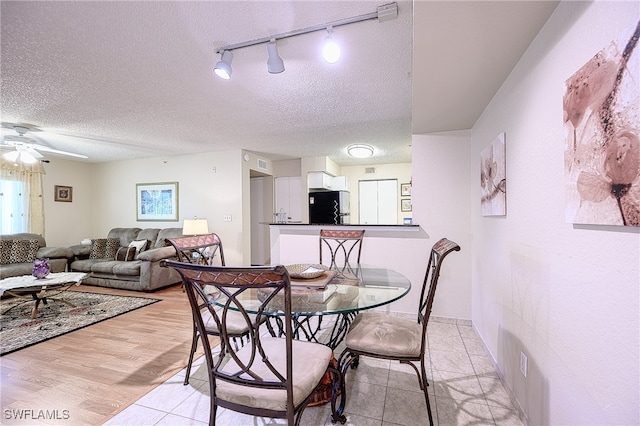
{"x":602,"y":143}
{"x":493,"y":178}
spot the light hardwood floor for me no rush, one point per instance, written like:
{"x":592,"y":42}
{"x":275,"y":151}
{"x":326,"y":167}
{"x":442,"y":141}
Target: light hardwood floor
{"x":89,"y":375}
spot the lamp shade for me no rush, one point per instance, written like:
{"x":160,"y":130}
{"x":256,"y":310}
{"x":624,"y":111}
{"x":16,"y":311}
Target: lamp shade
{"x":195,"y":227}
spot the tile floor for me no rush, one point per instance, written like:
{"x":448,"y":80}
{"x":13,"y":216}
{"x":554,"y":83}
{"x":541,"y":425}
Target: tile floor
{"x":464,"y":390}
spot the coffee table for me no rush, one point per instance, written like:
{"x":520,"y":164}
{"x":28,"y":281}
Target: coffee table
{"x":40,"y":290}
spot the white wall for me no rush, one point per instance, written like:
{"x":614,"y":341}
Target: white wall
{"x":566,"y":295}
{"x":440,"y":196}
{"x":67,"y":223}
{"x":210,"y":185}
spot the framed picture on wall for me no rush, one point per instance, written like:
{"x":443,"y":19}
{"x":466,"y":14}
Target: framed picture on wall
{"x":63,"y":193}
{"x":405,"y":204}
{"x":405,"y":189}
{"x":157,"y":202}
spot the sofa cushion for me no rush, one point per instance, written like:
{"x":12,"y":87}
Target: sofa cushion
{"x":126,"y":254}
{"x":167,"y":233}
{"x":104,"y":248}
{"x":125,"y":235}
{"x":18,"y":251}
{"x":115,"y":267}
{"x":149,"y":234}
{"x":84,"y":265}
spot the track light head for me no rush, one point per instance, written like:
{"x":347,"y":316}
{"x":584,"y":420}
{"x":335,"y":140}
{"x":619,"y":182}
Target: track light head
{"x":223,"y":67}
{"x":275,"y":64}
{"x":331,"y":50}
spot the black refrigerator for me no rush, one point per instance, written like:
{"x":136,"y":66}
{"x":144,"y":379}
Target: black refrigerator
{"x":329,"y":207}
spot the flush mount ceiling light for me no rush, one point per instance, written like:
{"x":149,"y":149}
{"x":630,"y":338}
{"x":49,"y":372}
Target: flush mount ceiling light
{"x":360,"y":150}
{"x":275,"y":64}
{"x":223,"y":67}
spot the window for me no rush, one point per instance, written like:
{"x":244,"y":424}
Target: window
{"x":21,"y":203}
{"x":14,"y":207}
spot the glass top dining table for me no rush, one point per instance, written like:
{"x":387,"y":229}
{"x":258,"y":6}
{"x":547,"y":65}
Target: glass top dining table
{"x":349,"y":292}
{"x":345,"y":294}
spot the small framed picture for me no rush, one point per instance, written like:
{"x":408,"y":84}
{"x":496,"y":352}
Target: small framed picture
{"x":405,"y":204}
{"x":405,"y":189}
{"x":63,"y":193}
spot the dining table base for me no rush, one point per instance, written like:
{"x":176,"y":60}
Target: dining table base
{"x":322,"y":393}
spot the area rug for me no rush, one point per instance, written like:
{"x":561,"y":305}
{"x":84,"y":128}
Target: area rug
{"x":18,"y":330}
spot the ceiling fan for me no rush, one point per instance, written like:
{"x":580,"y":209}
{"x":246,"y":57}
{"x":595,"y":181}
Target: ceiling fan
{"x":25,"y":148}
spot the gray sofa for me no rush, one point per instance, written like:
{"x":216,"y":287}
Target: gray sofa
{"x":142,"y":273}
{"x":18,"y":251}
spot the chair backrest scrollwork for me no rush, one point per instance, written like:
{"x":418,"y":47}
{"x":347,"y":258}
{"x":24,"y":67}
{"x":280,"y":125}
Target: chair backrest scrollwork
{"x":198,"y":249}
{"x":344,"y":247}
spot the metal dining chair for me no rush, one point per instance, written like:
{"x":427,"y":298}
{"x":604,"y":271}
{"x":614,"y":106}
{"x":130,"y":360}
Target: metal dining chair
{"x":269,"y":376}
{"x":384,"y":336}
{"x":202,"y":249}
{"x":344,"y":248}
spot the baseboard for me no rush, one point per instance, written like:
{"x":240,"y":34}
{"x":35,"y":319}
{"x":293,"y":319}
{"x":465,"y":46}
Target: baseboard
{"x":514,"y":401}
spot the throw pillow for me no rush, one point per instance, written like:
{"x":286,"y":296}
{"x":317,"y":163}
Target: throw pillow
{"x":140,"y":245}
{"x":97,"y":248}
{"x":5,"y":251}
{"x":111,"y":248}
{"x":20,"y":251}
{"x":126,"y":254}
{"x":104,"y":248}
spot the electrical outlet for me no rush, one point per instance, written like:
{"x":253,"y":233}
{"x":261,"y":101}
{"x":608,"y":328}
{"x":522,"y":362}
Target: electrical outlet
{"x":227,"y":218}
{"x":523,"y":364}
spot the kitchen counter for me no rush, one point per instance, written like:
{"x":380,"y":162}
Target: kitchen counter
{"x":401,"y":231}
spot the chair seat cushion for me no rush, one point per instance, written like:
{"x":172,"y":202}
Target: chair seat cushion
{"x":385,"y":334}
{"x":236,"y":324}
{"x":310,"y":362}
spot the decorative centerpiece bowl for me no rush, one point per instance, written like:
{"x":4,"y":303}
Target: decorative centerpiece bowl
{"x":41,"y":268}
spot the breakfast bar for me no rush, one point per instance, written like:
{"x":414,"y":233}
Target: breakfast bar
{"x":385,"y":246}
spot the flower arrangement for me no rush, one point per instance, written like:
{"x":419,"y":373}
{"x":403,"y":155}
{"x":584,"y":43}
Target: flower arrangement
{"x":41,"y":268}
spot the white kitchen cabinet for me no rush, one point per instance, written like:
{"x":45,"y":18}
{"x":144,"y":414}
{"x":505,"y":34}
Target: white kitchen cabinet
{"x":319,"y":180}
{"x":288,"y":198}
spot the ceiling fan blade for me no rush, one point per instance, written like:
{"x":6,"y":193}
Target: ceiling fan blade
{"x":56,"y":151}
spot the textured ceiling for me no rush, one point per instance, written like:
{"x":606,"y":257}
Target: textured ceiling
{"x":124,"y":80}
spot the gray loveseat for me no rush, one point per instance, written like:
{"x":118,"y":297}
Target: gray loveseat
{"x":140,"y":271}
{"x":18,"y":251}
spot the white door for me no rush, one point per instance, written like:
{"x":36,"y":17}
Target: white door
{"x":258,"y":238}
{"x":288,"y":198}
{"x":378,"y":202}
{"x":368,"y":202}
{"x":388,"y":202}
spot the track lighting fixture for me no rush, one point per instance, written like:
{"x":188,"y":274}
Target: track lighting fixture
{"x":331,"y":51}
{"x":275,"y":64}
{"x":223,"y":67}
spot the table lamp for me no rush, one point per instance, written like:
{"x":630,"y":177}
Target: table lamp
{"x":195,"y":227}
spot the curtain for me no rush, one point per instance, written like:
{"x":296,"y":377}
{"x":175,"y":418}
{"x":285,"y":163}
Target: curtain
{"x":22,"y":202}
